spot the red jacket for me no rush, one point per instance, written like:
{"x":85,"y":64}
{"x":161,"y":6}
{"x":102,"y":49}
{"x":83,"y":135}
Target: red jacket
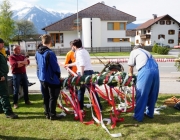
{"x":14,"y":65}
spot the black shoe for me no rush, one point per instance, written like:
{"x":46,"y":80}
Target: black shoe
{"x":55,"y":117}
{"x":28,"y":102}
{"x":12,"y":116}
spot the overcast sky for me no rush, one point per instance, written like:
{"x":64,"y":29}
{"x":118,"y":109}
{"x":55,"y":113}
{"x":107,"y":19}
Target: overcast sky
{"x":141,"y":9}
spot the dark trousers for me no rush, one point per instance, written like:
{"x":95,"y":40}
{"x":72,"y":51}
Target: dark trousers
{"x":5,"y":105}
{"x":20,"y":79}
{"x":50,"y":93}
{"x":82,"y":89}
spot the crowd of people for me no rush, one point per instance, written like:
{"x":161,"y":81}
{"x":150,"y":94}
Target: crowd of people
{"x":78,"y":60}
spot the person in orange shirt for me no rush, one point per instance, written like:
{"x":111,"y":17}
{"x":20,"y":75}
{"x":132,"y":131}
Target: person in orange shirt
{"x":70,"y":58}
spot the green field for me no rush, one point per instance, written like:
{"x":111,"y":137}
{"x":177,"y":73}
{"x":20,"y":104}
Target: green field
{"x":32,"y":124}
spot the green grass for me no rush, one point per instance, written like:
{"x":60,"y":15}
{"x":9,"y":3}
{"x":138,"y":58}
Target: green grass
{"x":111,"y":54}
{"x":155,"y":55}
{"x":32,"y":125}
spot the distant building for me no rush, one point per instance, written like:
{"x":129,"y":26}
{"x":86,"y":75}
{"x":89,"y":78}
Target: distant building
{"x":163,"y":29}
{"x":131,"y":34}
{"x":98,"y":26}
{"x":28,"y":44}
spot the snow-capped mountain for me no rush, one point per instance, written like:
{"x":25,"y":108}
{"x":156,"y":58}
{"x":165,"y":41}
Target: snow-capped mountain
{"x":39,"y":16}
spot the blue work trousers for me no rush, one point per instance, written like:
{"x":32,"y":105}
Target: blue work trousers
{"x":147,"y":89}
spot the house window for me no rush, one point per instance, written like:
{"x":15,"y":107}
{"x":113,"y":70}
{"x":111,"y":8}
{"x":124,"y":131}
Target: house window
{"x":118,"y":39}
{"x":125,"y":39}
{"x":148,"y":31}
{"x":110,"y":39}
{"x":110,"y":26}
{"x":137,"y":33}
{"x":56,"y":38}
{"x":168,"y":22}
{"x":162,"y":22}
{"x":144,"y":31}
{"x":170,"y":41}
{"x":137,"y":41}
{"x":161,"y":36}
{"x":171,"y":32}
{"x":122,"y":25}
{"x":156,"y":22}
{"x":173,"y":22}
{"x":61,"y":38}
{"x":116,"y":26}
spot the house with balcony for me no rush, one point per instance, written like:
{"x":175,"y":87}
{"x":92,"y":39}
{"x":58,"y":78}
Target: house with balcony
{"x":163,"y":29}
{"x":97,"y":26}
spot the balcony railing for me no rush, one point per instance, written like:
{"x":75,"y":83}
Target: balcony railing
{"x":145,"y":36}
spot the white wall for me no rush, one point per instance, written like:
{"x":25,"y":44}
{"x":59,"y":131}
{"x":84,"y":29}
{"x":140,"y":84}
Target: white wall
{"x":163,"y":29}
{"x":99,"y":36}
{"x":86,"y":32}
{"x":96,"y":31}
{"x":132,"y":38}
{"x":112,"y":34}
{"x":157,"y":29}
{"x":137,"y":37}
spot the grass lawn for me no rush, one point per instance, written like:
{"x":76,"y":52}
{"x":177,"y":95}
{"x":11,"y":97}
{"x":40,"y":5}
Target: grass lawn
{"x":155,"y":55}
{"x":32,"y":124}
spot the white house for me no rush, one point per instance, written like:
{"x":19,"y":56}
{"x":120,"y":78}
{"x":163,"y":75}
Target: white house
{"x":163,"y":29}
{"x":98,"y":26}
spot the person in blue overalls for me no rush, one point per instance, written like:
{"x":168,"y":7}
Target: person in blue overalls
{"x":147,"y":86}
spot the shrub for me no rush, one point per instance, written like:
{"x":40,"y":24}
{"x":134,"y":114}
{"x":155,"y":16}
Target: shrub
{"x":154,"y":49}
{"x":177,"y":63}
{"x":162,"y":50}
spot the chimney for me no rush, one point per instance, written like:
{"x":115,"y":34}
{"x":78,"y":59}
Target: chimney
{"x":114,"y":7}
{"x":102,"y":2}
{"x":155,"y":16}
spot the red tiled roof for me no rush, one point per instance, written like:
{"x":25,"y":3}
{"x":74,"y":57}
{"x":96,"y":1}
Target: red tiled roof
{"x":153,"y":21}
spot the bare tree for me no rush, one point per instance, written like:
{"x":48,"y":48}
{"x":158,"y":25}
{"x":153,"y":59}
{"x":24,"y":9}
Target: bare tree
{"x":25,"y":29}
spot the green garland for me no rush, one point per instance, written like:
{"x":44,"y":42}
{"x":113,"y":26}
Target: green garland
{"x":110,"y":78}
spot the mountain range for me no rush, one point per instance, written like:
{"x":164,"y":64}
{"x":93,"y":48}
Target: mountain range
{"x":39,"y":16}
{"x":42,"y":17}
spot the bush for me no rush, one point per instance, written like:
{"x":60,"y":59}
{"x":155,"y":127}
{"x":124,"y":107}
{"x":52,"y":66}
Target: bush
{"x":154,"y":49}
{"x":162,"y":50}
{"x":177,"y":63}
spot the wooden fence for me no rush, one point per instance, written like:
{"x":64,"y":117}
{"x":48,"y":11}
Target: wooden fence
{"x":63,"y":51}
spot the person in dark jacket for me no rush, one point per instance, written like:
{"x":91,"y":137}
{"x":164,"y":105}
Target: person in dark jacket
{"x":5,"y":106}
{"x":48,"y":73}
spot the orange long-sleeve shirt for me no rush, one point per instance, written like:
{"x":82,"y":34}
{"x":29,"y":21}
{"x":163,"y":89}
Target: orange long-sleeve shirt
{"x":70,"y":58}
